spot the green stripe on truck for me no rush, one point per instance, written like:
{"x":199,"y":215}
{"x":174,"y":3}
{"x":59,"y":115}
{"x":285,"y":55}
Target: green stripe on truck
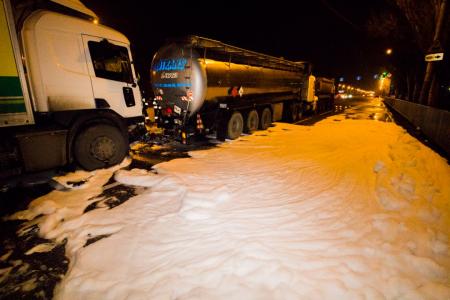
{"x":11,"y":96}
{"x":10,"y":86}
{"x":8,"y":106}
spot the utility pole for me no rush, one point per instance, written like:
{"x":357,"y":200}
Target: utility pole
{"x":435,"y":47}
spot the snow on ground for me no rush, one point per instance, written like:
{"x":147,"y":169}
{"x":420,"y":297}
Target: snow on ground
{"x":344,"y":209}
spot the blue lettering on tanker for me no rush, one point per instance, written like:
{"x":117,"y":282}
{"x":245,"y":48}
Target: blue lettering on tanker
{"x":178,"y":64}
{"x":171,"y":85}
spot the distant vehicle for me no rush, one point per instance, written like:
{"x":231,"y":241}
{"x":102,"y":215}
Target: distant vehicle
{"x":68,"y":88}
{"x":344,"y":96}
{"x":203,"y":85}
{"x":319,"y":94}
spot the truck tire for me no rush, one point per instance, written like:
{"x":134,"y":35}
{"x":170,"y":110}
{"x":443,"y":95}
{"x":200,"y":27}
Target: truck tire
{"x":266,"y":119}
{"x":331,"y":103}
{"x":235,"y":126}
{"x":315,"y":108}
{"x":100,"y":146}
{"x":300,"y":111}
{"x":252,"y":121}
{"x":294,"y":112}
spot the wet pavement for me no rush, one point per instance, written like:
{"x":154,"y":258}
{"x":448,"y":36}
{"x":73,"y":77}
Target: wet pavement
{"x":26,"y":274}
{"x":150,"y":152}
{"x":357,"y":108}
{"x":365,"y":108}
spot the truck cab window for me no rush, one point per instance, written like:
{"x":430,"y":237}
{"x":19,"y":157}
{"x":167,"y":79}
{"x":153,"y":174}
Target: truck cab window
{"x":110,"y":61}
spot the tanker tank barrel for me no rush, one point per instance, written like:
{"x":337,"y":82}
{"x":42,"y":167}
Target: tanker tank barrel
{"x":251,"y":57}
{"x":203,"y":82}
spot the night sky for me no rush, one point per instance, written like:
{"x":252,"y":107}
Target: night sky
{"x":329,"y":33}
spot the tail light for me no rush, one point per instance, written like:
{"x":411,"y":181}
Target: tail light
{"x":167,"y":111}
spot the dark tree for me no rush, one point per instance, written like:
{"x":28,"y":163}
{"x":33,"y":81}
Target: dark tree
{"x":410,"y":25}
{"x":429,"y":23}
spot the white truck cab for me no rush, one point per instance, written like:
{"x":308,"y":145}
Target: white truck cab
{"x":68,"y":88}
{"x":75,"y":64}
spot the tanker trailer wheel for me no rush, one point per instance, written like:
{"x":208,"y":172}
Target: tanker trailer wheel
{"x":292,"y":112}
{"x":235,"y":126}
{"x":100,"y":146}
{"x":299,"y":112}
{"x":295,"y":111}
{"x":266,"y":119}
{"x":252,"y":121}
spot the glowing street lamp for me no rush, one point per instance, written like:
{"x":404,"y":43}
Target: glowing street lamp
{"x":388,"y":51}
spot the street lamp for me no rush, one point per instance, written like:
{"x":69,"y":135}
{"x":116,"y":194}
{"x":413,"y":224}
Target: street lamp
{"x":388,"y":51}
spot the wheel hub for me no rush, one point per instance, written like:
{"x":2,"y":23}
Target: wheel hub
{"x":103,"y":148}
{"x":236,"y":125}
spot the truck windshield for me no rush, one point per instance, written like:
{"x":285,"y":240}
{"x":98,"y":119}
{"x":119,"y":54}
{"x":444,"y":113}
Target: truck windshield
{"x":110,"y":61}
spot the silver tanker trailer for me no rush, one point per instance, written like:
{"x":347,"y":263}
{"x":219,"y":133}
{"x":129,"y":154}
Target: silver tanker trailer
{"x":203,"y":85}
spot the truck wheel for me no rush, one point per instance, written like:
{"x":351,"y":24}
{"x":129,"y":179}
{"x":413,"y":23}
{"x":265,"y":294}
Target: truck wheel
{"x":266,"y":119}
{"x":100,"y":146}
{"x":252,"y":121}
{"x":315,"y":108}
{"x":299,"y":112}
{"x":235,"y":126}
{"x":296,"y":112}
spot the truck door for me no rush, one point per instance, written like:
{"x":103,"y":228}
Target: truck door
{"x":112,"y":76}
{"x":15,"y":104}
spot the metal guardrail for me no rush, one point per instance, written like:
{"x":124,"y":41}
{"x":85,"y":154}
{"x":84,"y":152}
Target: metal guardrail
{"x":433,"y":122}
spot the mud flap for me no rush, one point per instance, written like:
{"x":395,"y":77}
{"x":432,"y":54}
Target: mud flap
{"x":222,"y":123}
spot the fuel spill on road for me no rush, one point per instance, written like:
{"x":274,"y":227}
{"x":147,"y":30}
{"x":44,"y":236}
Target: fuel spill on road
{"x":344,"y":208}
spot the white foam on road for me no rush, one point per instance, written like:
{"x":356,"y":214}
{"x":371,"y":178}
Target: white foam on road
{"x":339,"y":210}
